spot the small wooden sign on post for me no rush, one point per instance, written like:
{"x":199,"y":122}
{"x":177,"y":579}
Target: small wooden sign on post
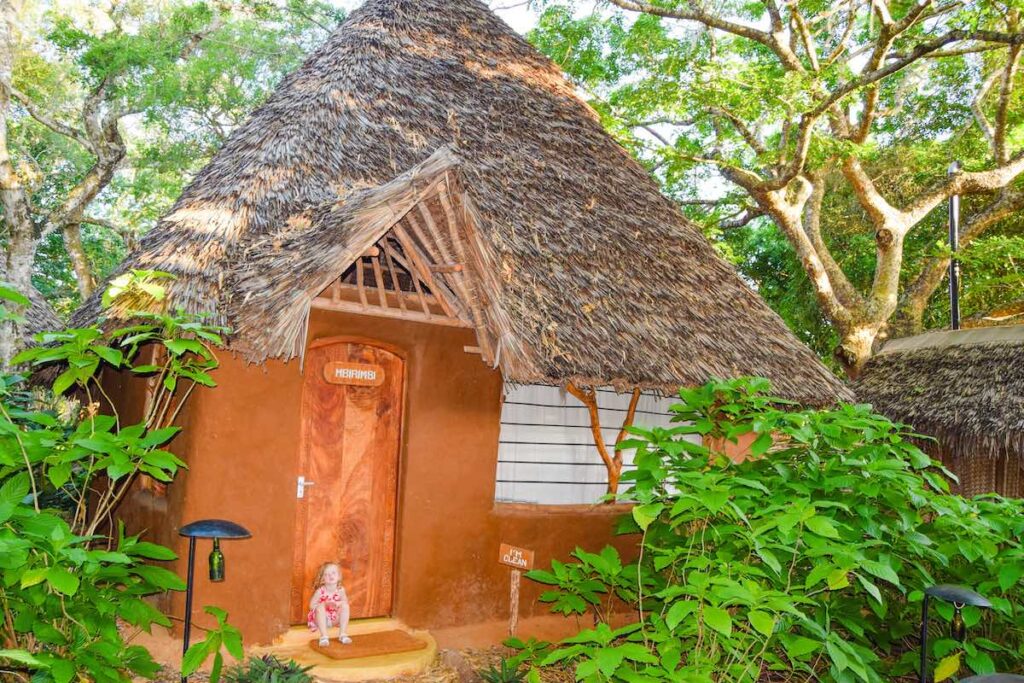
{"x":354,"y":374}
{"x":520,"y":559}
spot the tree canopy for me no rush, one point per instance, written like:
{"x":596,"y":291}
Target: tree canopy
{"x":813,"y":140}
{"x":810,"y":139}
{"x":108,"y":109}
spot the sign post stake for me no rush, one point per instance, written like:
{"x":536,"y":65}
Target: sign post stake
{"x":513,"y":619}
{"x":519,"y":559}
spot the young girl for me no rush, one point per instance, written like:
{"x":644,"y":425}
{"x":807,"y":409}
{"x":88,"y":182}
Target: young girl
{"x":329,"y":604}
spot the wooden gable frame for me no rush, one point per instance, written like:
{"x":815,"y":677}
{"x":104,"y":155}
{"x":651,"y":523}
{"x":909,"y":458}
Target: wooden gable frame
{"x":428,"y":266}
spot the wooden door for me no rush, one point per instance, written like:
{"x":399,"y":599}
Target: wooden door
{"x":349,"y":449}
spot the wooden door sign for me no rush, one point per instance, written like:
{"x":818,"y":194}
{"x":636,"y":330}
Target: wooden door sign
{"x":354,"y":374}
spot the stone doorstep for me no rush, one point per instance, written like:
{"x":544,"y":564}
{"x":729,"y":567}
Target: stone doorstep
{"x":294,"y":644}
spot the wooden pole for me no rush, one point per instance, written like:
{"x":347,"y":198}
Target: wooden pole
{"x":513,"y":619}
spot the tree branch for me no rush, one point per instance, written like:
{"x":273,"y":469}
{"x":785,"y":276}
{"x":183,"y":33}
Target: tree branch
{"x":880,"y":211}
{"x":805,"y":37}
{"x":787,"y":214}
{"x":844,"y":289}
{"x":979,"y":113}
{"x":964,"y":183}
{"x":695,"y":13}
{"x":741,"y":128}
{"x":53,"y":124}
{"x":916,"y":295}
{"x":873,"y":76}
{"x":741,"y":220}
{"x":588,"y":397}
{"x":1002,"y":154}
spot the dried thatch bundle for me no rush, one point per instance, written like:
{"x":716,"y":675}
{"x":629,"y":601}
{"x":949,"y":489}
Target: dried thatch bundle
{"x":966,"y":389}
{"x":576,"y":267}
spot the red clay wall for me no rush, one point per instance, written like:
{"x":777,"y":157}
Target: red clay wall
{"x":241,"y":444}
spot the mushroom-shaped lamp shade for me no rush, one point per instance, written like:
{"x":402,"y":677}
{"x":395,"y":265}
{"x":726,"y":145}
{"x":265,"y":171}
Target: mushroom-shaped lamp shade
{"x":214,"y":528}
{"x":994,"y":678}
{"x":957,"y":594}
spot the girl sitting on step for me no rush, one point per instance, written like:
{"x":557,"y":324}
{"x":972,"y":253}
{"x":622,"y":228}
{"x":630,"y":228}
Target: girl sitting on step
{"x":329,"y":604}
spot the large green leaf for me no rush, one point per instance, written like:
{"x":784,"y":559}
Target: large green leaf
{"x":882,"y":571}
{"x":151,"y":551}
{"x":822,"y":526}
{"x":679,"y":610}
{"x":718,"y":619}
{"x":21,"y":657}
{"x":947,"y":667}
{"x":762,"y":622}
{"x":1010,"y":573}
{"x":645,"y":514}
{"x":62,"y":580}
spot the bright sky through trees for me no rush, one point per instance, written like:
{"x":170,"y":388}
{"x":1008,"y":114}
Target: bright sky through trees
{"x":515,"y":12}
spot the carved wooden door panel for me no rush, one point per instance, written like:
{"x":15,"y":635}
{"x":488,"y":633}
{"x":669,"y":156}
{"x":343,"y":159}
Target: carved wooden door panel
{"x":350,"y":441}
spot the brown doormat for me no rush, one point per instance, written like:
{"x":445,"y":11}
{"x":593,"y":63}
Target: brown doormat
{"x":369,"y":645}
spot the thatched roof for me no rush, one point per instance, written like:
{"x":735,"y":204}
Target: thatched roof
{"x":576,"y":267}
{"x":39,"y":315}
{"x":964,"y":387}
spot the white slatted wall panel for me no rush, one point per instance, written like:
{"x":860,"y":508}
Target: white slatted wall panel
{"x":546,"y":451}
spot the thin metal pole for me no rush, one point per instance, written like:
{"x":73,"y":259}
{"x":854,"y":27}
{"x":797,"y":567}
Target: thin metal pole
{"x":188,"y":600}
{"x":923,"y":676}
{"x":954,"y":246}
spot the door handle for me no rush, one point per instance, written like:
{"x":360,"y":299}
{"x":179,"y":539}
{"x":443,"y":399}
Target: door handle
{"x":300,"y":489}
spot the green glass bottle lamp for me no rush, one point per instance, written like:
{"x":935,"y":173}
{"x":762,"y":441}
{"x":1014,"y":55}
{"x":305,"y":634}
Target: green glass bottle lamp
{"x":216,"y":562}
{"x":958,"y":596}
{"x":214,"y":529}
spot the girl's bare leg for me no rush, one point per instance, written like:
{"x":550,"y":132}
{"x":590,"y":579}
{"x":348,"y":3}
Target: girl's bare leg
{"x":343,"y":614}
{"x":321,"y":620}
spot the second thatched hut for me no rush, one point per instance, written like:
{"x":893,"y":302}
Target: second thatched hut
{"x":965,"y":390}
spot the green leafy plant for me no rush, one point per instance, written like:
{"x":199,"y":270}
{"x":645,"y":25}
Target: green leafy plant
{"x":268,"y":669}
{"x":224,"y":635}
{"x":67,"y":459}
{"x":806,"y":560}
{"x":506,"y":672}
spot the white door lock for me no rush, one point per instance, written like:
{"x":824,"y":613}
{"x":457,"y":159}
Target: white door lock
{"x":300,"y":490}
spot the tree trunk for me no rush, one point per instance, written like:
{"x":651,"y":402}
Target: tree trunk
{"x":13,"y":196}
{"x":72,"y":233}
{"x":856,"y":345}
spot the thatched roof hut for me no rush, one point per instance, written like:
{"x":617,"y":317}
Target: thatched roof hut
{"x":430,"y":132}
{"x":965,"y":388}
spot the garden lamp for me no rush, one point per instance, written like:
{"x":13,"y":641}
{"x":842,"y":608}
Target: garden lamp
{"x":959,"y":597}
{"x":206,"y":528}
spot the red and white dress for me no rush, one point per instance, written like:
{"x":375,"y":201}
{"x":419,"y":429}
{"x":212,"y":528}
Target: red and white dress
{"x":330,"y":600}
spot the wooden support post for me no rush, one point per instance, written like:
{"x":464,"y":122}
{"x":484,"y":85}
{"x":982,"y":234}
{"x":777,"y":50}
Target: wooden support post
{"x":378,"y":277}
{"x":471,"y":295}
{"x":446,"y":268}
{"x":360,"y":284}
{"x":394,"y":278}
{"x":513,"y":619}
{"x":439,"y":289}
{"x":393,"y":254}
{"x":612,"y":460}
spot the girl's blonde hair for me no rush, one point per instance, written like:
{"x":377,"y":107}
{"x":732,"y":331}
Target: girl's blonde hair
{"x":319,"y":580}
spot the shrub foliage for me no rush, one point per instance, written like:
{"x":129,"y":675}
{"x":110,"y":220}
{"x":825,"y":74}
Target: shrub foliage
{"x":71,"y":580}
{"x":806,"y":561}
